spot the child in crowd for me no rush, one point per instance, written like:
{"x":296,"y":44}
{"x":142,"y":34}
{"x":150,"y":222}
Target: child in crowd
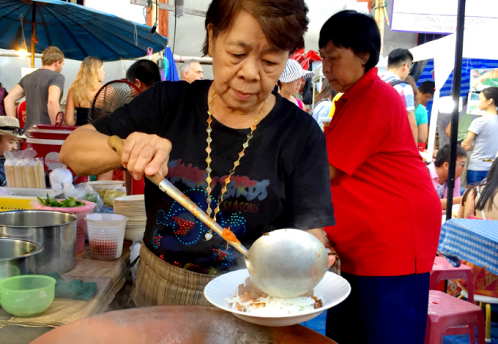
{"x":10,"y":135}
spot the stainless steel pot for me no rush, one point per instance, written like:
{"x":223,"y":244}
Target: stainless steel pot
{"x":17,"y":257}
{"x":55,"y":231}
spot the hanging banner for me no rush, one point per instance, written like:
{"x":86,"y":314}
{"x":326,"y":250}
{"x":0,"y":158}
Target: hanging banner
{"x":483,"y":78}
{"x":440,"y":16}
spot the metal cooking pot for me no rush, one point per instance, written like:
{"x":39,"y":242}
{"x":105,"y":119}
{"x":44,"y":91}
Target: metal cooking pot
{"x":17,"y":257}
{"x":55,"y":231}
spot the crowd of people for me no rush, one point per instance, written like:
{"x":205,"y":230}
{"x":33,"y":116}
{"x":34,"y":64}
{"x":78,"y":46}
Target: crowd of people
{"x":361,"y":155}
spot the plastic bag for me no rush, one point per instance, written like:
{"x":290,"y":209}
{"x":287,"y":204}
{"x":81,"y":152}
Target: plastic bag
{"x":59,"y":177}
{"x":134,"y":255}
{"x":23,"y":170}
{"x":110,"y":195}
{"x":83,"y":191}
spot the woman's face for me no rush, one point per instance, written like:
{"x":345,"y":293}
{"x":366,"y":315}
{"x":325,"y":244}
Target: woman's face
{"x":101,"y":73}
{"x":342,"y":67}
{"x":245,"y":67}
{"x":484,"y":103}
{"x":293,"y":87}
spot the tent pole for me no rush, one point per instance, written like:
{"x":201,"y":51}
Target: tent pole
{"x":33,"y":36}
{"x":457,"y":78}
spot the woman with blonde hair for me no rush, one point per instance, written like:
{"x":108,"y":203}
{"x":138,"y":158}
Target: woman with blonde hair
{"x":82,"y":91}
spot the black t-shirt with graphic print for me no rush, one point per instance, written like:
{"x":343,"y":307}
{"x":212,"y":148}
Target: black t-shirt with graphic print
{"x":282,"y":180}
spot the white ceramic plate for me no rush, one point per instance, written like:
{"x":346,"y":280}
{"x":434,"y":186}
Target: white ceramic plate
{"x":333,"y":289}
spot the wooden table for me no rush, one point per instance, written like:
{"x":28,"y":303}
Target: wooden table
{"x":110,"y":277}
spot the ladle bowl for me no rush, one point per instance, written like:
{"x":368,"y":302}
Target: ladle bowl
{"x":287,"y":262}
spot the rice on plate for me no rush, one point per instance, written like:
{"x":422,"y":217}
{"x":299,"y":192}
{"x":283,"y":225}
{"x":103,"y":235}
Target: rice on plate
{"x":251,"y":300}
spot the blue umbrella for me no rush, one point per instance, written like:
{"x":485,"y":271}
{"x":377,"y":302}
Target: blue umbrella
{"x":77,"y":30}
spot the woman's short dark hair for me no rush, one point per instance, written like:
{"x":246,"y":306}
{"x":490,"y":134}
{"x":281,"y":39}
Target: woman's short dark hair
{"x":144,"y":70}
{"x":284,"y":22}
{"x":491,"y":93}
{"x":353,"y":30}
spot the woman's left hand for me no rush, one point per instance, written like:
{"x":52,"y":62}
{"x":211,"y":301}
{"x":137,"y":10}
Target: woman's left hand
{"x":320,"y":235}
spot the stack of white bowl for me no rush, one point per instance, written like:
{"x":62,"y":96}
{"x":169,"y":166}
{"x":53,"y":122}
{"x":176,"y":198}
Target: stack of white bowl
{"x":133,"y":207}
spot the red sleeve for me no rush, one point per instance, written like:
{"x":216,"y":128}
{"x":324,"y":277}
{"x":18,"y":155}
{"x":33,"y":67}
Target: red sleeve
{"x":358,"y":133}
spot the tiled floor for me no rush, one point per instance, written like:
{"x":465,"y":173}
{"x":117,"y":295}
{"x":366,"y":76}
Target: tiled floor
{"x":318,"y":325}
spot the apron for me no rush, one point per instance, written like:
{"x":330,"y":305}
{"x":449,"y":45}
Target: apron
{"x":159,"y":283}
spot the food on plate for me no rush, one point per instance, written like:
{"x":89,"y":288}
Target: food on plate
{"x":251,"y":300}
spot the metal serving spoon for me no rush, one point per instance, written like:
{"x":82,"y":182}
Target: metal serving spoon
{"x":284,"y":263}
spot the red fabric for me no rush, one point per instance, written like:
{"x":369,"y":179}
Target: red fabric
{"x":388,"y":213}
{"x":300,"y":104}
{"x":21,"y":113}
{"x":305,"y":59}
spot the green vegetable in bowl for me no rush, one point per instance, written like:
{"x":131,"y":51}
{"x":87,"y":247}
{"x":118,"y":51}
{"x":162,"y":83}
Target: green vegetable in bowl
{"x":67,"y":203}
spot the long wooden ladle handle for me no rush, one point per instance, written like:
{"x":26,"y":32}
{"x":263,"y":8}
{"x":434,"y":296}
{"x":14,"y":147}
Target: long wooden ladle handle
{"x":117,"y":144}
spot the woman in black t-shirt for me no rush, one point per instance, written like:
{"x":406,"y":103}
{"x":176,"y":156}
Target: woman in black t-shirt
{"x":203,"y":136}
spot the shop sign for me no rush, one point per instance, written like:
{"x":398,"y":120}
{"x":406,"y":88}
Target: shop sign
{"x":440,"y":16}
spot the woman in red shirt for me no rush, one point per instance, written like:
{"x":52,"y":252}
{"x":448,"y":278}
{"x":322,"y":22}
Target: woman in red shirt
{"x":388,"y":214}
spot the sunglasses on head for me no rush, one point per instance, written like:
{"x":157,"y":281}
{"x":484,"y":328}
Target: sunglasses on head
{"x":14,"y":130}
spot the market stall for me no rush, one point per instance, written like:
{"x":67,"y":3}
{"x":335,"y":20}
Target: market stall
{"x":442,"y":52}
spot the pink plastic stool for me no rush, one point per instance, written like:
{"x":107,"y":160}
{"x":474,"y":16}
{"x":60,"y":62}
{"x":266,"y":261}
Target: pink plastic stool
{"x":446,"y":312}
{"x":443,"y":270}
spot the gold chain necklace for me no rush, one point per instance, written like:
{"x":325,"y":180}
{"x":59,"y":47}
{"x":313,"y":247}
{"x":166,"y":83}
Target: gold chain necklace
{"x":209,"y":235}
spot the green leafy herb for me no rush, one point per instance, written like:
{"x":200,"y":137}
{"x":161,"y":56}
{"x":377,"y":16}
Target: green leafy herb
{"x":67,"y":203}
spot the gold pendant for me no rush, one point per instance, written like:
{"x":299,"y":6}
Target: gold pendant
{"x":208,"y":236}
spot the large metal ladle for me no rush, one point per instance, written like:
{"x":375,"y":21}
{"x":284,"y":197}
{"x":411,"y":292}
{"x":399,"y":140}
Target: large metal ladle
{"x":283,"y":263}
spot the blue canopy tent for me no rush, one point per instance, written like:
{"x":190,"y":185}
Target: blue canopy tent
{"x":442,"y":53}
{"x":77,"y":30}
{"x":467,"y":66}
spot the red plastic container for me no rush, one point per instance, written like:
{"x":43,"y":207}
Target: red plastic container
{"x":421,"y":146}
{"x":47,"y":141}
{"x":137,"y":186}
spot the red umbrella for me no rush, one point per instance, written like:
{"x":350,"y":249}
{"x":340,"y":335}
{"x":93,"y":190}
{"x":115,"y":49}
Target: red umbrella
{"x":305,"y":59}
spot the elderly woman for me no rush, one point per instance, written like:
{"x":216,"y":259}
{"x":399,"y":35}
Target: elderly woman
{"x":251,"y":159}
{"x":389,"y":216}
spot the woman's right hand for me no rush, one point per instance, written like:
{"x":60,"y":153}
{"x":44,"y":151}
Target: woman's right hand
{"x":146,"y":154}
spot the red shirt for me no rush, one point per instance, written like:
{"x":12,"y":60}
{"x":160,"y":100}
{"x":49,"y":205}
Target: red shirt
{"x":387,"y":211}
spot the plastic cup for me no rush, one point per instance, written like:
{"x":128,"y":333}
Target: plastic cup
{"x":106,"y":235}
